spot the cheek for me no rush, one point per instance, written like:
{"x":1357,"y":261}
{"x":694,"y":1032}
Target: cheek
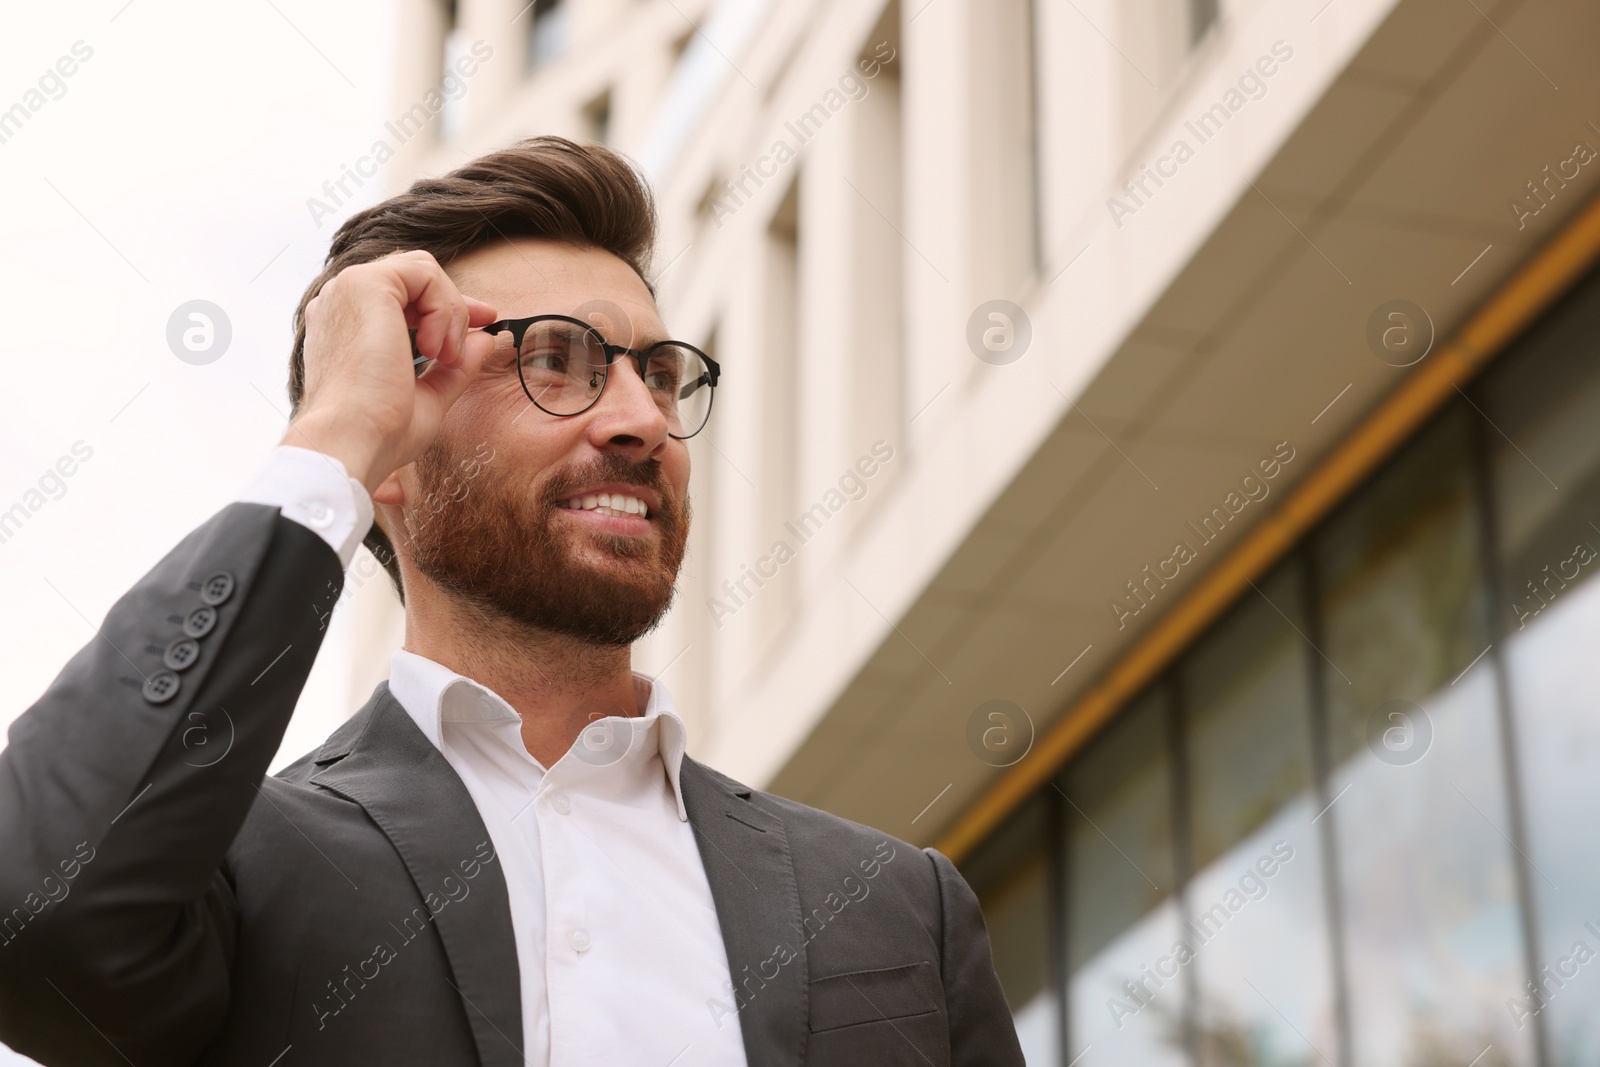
{"x":676,"y":467}
{"x":486,"y":405}
{"x":496,"y":411}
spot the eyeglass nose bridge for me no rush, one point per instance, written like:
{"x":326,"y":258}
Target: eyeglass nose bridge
{"x":640,"y":356}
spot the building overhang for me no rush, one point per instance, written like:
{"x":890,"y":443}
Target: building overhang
{"x":1225,"y":322}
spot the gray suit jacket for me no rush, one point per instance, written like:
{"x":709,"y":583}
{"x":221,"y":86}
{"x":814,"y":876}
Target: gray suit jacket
{"x":162,"y":901}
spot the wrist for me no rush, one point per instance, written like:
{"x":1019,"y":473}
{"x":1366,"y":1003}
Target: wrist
{"x":343,"y":442}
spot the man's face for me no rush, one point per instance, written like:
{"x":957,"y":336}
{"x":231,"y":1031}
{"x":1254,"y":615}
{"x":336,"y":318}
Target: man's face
{"x":488,"y":508}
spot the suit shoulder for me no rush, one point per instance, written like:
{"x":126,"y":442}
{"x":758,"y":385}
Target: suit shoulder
{"x":300,"y":771}
{"x":337,"y":745}
{"x":821,"y":838}
{"x":825,"y":825}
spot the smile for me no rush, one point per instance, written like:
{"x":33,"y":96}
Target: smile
{"x":608,"y":504}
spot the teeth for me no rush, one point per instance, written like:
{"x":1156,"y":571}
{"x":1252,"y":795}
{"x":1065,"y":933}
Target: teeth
{"x":612,"y":503}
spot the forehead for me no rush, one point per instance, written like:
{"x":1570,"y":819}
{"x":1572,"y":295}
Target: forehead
{"x":528,"y":276}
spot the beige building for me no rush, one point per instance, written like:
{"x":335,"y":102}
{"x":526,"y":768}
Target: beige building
{"x":1118,"y":481}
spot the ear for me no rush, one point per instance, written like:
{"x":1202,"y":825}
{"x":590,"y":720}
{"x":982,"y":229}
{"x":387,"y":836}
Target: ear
{"x":390,"y":491}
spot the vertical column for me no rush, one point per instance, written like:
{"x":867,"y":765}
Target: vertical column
{"x":1000,"y":155}
{"x":876,"y":376}
{"x":1079,"y":124}
{"x":827,"y":354}
{"x":781,"y":427}
{"x":936,"y":79}
{"x":495,"y":23}
{"x":737,"y":451}
{"x":419,"y":58}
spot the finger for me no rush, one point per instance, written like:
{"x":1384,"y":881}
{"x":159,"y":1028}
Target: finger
{"x":482,"y":314}
{"x":472,"y":312}
{"x":455,"y":334}
{"x":425,"y":289}
{"x":446,"y":382}
{"x":435,"y":330}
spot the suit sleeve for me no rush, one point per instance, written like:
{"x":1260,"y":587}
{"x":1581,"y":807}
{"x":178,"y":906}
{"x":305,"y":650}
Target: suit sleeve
{"x":981,"y":1030}
{"x":123,"y":786}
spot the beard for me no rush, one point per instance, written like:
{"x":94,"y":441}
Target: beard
{"x":493,"y":541}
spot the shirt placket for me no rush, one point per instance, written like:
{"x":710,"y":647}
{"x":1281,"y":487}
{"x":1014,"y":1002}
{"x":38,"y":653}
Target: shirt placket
{"x":569,"y":939}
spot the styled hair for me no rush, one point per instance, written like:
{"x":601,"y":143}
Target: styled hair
{"x":542,"y":187}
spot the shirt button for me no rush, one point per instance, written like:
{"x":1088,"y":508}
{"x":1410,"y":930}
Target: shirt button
{"x":560,"y":802}
{"x":321,"y":515}
{"x":579,"y":939}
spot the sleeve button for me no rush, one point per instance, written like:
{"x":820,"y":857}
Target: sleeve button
{"x":218,"y":588}
{"x":200,"y":622}
{"x":161,"y":687}
{"x":181,"y":654}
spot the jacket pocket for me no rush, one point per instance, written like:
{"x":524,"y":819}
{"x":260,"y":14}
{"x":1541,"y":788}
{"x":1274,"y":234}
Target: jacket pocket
{"x":872,"y":996}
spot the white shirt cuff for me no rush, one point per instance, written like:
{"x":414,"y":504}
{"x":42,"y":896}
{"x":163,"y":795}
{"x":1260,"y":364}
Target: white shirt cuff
{"x":313,"y":489}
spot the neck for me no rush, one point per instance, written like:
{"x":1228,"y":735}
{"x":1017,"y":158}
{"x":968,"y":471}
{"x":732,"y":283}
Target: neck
{"x":556,"y":683}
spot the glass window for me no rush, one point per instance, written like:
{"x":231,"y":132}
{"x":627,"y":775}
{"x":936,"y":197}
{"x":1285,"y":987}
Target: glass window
{"x":1011,"y":875}
{"x":597,"y":118}
{"x":1431,"y":898}
{"x":1255,"y":910}
{"x":453,"y":111}
{"x":1122,"y":916}
{"x":1545,"y":398}
{"x":1202,"y":14}
{"x":1433,"y":930}
{"x":547,"y":32}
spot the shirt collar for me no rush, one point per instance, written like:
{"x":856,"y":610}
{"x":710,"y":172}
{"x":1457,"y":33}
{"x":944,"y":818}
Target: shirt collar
{"x":433,"y":694}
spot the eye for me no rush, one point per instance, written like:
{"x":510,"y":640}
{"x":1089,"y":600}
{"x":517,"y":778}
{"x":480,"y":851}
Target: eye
{"x":663,"y":374}
{"x":551,"y":360}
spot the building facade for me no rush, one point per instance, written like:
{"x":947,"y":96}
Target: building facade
{"x":1157,"y":464}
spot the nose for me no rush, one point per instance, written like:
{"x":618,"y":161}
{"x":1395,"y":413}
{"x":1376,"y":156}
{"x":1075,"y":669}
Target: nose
{"x":626,"y":418}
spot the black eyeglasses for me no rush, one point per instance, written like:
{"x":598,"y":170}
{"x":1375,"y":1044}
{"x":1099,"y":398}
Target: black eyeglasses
{"x":564,"y":363}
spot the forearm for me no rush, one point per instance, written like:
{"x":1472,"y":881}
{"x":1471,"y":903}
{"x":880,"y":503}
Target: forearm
{"x":142,"y":788}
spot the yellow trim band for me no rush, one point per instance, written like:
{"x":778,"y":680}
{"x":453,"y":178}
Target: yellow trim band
{"x":1514,"y":307}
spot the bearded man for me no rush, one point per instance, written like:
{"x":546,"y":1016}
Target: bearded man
{"x":505,"y":857}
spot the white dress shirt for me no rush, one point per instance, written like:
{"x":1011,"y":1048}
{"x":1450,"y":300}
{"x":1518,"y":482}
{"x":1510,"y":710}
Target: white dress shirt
{"x":621,"y":956}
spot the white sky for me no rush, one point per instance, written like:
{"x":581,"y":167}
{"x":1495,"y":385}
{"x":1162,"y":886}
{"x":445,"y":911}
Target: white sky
{"x":190,"y":141}
{"x":175,"y":166}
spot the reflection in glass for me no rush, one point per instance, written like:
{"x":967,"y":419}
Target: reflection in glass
{"x":1399,"y":662}
{"x":1122,"y":917}
{"x":1546,"y":398}
{"x":1010,"y":875}
{"x":1428,"y":887}
{"x":1255,"y":907}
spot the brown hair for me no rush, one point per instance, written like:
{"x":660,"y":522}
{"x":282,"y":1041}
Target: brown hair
{"x":542,"y":187}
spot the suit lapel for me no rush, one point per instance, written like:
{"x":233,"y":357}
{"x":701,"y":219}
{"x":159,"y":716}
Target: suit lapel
{"x":380,"y":760}
{"x":746,"y":856}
